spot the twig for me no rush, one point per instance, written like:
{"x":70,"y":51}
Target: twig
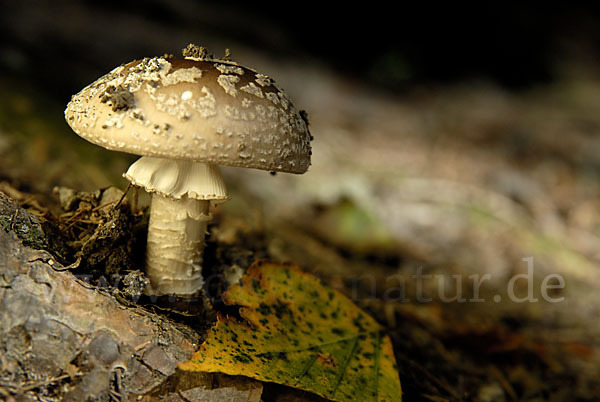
{"x":103,"y":205}
{"x":134,"y":202}
{"x":70,"y":225}
{"x":122,"y":197}
{"x":114,"y":395}
{"x":70,"y":266}
{"x":76,"y":214}
{"x":25,"y":388}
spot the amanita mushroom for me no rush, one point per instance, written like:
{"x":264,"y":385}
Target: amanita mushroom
{"x":185,"y":116}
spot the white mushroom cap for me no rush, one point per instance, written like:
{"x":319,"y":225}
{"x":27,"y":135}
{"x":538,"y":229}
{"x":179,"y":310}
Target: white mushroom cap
{"x":203,"y":110}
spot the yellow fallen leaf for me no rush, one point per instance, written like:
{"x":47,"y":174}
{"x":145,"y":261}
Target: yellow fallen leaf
{"x":300,"y":332}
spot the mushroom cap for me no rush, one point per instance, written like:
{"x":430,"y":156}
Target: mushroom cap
{"x":204,"y":110}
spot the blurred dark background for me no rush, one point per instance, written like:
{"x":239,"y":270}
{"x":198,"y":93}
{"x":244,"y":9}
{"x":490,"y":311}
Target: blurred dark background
{"x":61,"y":45}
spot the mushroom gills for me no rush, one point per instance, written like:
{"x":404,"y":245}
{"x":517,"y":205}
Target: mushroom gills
{"x":177,"y":178}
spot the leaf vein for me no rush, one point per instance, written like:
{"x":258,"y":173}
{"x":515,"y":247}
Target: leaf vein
{"x":345,"y":366}
{"x":312,"y":361}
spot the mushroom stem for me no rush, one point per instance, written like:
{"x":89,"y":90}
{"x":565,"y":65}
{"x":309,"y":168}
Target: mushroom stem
{"x":181,"y":195}
{"x":175,"y":243}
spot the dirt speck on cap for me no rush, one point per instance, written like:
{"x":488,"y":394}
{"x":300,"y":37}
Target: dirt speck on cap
{"x":118,"y":98}
{"x":196,"y":52}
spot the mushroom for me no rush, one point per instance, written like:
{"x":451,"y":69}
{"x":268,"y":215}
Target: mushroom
{"x":184,"y":117}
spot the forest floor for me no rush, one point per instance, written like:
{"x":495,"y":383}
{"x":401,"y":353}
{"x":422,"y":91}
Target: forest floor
{"x":464,"y":218}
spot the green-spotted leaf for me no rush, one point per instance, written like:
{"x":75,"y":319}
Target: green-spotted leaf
{"x":302,"y":333}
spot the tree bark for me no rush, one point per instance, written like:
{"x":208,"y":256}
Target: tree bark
{"x":61,"y":337}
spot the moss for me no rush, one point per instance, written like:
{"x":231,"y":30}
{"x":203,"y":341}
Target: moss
{"x":25,"y":225}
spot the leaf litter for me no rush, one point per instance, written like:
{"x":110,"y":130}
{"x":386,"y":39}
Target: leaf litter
{"x":297,"y":331}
